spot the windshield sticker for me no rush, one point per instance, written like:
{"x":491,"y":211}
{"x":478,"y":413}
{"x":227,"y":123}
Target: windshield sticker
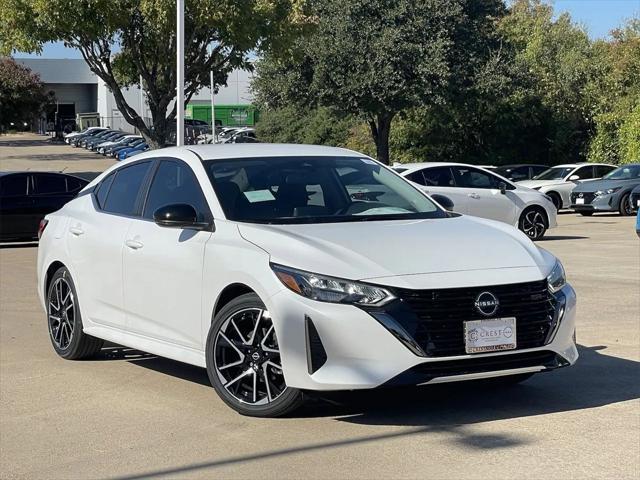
{"x":256,"y":196}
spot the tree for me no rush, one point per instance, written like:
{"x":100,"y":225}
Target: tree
{"x":22,"y":94}
{"x":122,"y":40}
{"x":615,"y":95}
{"x":378,"y":59}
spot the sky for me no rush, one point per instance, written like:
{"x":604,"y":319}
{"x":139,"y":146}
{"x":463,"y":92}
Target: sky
{"x":599,"y":17}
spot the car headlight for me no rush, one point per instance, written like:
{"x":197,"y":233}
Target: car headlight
{"x":557,"y":278}
{"x":609,"y":191}
{"x":329,"y":289}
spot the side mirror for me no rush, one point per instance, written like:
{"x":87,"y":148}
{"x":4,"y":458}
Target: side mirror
{"x":445,"y":202}
{"x":503,"y":188}
{"x":574,"y":178}
{"x":179,"y":215}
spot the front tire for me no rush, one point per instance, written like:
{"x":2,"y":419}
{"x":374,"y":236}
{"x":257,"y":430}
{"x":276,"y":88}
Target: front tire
{"x":65,"y":321}
{"x":533,"y":223}
{"x":625,"y":205}
{"x":555,"y":198}
{"x":243,"y":360}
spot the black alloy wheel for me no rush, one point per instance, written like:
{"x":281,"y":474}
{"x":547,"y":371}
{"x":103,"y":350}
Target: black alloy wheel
{"x":65,"y":321}
{"x":533,"y":223}
{"x":243,"y":360}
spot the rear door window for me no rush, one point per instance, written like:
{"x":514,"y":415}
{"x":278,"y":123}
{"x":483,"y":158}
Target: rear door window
{"x":125,"y":188}
{"x":584,"y":173}
{"x":47,"y":184}
{"x":13,"y":185}
{"x":602,"y":170}
{"x":467,"y":177}
{"x":438,"y":177}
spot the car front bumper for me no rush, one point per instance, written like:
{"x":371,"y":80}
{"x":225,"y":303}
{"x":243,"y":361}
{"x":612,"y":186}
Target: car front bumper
{"x":356,"y":351}
{"x":601,"y":203}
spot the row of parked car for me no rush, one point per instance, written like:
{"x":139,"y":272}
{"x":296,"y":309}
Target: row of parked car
{"x":229,"y":135}
{"x":108,"y":142}
{"x":522,"y":197}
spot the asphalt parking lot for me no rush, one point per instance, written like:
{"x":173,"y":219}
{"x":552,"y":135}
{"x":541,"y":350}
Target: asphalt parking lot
{"x":128,"y":414}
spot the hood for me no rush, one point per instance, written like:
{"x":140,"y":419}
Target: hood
{"x":596,"y":185}
{"x":367,"y":250}
{"x":539,"y":183}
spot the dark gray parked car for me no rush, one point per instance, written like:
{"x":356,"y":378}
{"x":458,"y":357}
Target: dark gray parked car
{"x":609,"y":194}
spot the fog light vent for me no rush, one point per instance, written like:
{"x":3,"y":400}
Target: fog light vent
{"x":316,"y":354}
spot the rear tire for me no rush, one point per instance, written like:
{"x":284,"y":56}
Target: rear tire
{"x":625,"y":205}
{"x":243,"y":360}
{"x":586,"y":214}
{"x":65,"y":321}
{"x":533,"y":223}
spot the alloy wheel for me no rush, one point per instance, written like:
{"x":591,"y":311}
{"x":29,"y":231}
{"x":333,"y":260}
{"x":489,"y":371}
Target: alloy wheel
{"x":247,"y":357}
{"x":533,"y":224}
{"x":62,"y":313}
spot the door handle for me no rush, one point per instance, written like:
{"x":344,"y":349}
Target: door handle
{"x":473,"y":195}
{"x":133,"y":244}
{"x":77,"y":231}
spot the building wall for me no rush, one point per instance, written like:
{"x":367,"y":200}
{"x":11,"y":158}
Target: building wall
{"x":73,"y":82}
{"x":83,"y":96}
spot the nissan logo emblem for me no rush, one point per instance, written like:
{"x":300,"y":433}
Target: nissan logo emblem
{"x":487,"y":304}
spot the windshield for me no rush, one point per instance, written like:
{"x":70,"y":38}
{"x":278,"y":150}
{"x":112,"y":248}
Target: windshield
{"x":554,"y":173}
{"x":624,"y":173}
{"x":315,"y":190}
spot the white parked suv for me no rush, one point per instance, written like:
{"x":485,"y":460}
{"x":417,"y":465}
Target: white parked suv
{"x":257,"y":263}
{"x":558,"y":182}
{"x":476,"y":191}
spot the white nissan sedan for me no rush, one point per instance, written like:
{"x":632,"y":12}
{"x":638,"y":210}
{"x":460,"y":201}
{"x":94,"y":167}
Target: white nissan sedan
{"x":272,"y":268}
{"x":479,"y":192}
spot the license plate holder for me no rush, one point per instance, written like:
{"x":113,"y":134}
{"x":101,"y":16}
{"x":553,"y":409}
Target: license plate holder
{"x":490,"y":335}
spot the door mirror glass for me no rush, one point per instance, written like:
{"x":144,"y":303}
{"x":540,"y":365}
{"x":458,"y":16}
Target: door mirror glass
{"x":178,"y":215}
{"x":574,"y":178}
{"x":444,"y":201}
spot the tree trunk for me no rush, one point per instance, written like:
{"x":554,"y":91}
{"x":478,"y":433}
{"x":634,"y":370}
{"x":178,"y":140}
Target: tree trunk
{"x":380,"y":130}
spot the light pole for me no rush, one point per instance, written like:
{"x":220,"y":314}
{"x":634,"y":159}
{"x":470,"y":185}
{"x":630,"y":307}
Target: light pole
{"x":180,"y":73}
{"x":213,"y":107}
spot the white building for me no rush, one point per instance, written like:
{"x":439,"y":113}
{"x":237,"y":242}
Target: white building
{"x":78,"y":90}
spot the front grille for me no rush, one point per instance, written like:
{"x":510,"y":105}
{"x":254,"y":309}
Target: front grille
{"x":441,"y":313}
{"x":588,"y":197}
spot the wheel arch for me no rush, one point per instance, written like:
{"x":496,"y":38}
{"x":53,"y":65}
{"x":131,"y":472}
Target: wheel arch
{"x":51,"y":270}
{"x":553,"y":193}
{"x":230,"y":292}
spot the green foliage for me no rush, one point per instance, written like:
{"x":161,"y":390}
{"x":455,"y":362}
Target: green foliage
{"x":615,"y":95}
{"x":376,"y":59}
{"x":502,"y":85}
{"x":292,"y":125}
{"x":22,"y":94}
{"x":122,"y":40}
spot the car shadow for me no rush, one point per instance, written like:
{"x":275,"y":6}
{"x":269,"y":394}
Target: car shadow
{"x":20,"y":244}
{"x":596,"y":380}
{"x":561,"y":237}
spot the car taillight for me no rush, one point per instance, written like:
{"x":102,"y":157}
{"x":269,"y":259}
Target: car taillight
{"x":41,"y":227}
